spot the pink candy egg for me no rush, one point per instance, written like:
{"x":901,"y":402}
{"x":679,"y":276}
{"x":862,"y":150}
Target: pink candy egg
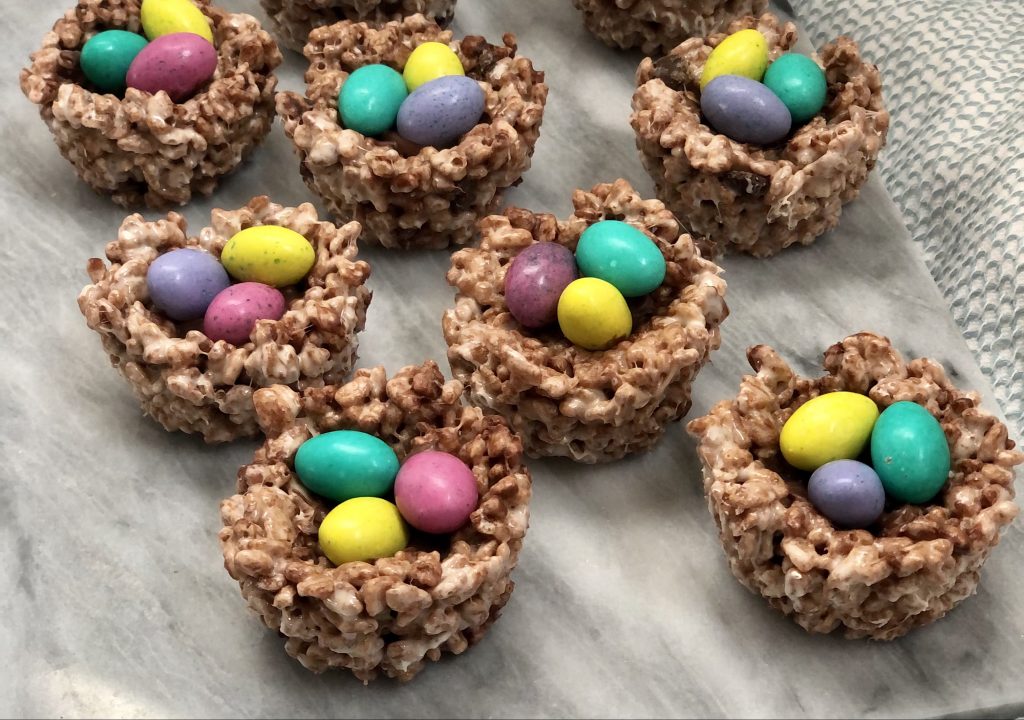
{"x":435,"y":492}
{"x":233,"y":314}
{"x":179,"y":64}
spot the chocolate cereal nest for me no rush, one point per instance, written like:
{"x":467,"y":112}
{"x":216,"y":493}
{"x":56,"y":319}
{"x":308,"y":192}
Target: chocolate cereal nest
{"x":918,"y":562}
{"x":407,"y":197}
{"x":657,"y":26}
{"x":144,"y":147}
{"x":750,"y":198}
{"x":294,"y":19}
{"x":592,"y":406}
{"x":187,"y":382}
{"x":395,"y":613}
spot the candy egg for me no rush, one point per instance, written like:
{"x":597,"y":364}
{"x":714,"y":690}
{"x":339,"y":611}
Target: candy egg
{"x":164,"y":17}
{"x":362,"y":529}
{"x":344,"y":464}
{"x":268,"y":254}
{"x":436,"y":492}
{"x":593,"y":314}
{"x":183,"y":282}
{"x":107,"y":56}
{"x":441,"y":111}
{"x":833,"y":426}
{"x":621,"y":254}
{"x":179,"y":64}
{"x":233,"y":314}
{"x":370,"y":98}
{"x":535,"y":280}
{"x":430,"y":61}
{"x":910,"y":452}
{"x":847,"y":492}
{"x":743,"y":53}
{"x":799,"y":83}
{"x":745,"y":110}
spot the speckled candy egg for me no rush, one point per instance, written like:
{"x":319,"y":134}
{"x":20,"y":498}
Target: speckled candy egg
{"x":183,"y":282}
{"x":621,"y":254}
{"x":535,"y":280}
{"x":847,"y":492}
{"x":833,"y":426}
{"x":435,"y":492}
{"x":344,"y":464}
{"x":370,"y":98}
{"x":179,"y":64}
{"x":799,"y":83}
{"x":744,"y":53}
{"x":235,"y":311}
{"x":441,"y":111}
{"x":268,"y":254}
{"x":430,"y":61}
{"x":164,"y":17}
{"x":362,"y":529}
{"x":107,"y":56}
{"x":745,"y":110}
{"x":593,"y":314}
{"x":910,"y":452}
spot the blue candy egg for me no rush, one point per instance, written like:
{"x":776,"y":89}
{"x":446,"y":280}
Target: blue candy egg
{"x":441,"y":111}
{"x":370,"y":99}
{"x":745,"y":110}
{"x":623,"y":255}
{"x":800,"y":84}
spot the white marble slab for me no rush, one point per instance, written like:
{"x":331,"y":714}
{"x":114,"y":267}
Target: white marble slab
{"x":114,"y":600}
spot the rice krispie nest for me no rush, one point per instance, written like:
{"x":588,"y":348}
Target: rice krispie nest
{"x":188,"y":382}
{"x":920,"y":562}
{"x":144,"y":147}
{"x":404,"y":197}
{"x":657,"y":26}
{"x":592,"y":406}
{"x":750,"y":198}
{"x":294,"y":19}
{"x":392,"y":614}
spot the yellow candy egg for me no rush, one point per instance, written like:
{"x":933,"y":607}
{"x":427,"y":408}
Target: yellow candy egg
{"x":363,"y":528}
{"x":268,"y":254}
{"x":430,"y":61}
{"x":163,"y":17}
{"x":833,"y":426}
{"x":743,"y":53}
{"x":593,"y":314}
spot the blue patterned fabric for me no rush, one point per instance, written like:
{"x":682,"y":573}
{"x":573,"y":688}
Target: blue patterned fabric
{"x":953,"y":73}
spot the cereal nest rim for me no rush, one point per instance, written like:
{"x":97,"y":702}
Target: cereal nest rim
{"x":430,"y":198}
{"x":744,"y":197}
{"x":922,"y":560}
{"x":562,"y":399}
{"x":293,"y":20}
{"x":396,"y":613}
{"x":657,"y":26}
{"x":190,"y":383}
{"x":144,"y":147}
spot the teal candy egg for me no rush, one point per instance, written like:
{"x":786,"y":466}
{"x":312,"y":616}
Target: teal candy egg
{"x":107,"y":56}
{"x":370,"y":98}
{"x":909,"y":452}
{"x":800,"y":85}
{"x":346,"y":464}
{"x":622,"y":255}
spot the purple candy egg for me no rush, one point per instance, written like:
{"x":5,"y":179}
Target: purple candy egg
{"x":234,"y":312}
{"x":178,"y":64}
{"x":441,"y":111}
{"x":183,"y":282}
{"x":535,"y":280}
{"x":847,"y":492}
{"x":435,"y":492}
{"x":745,"y":110}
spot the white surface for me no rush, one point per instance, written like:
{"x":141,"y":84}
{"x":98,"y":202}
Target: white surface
{"x":115,"y":599}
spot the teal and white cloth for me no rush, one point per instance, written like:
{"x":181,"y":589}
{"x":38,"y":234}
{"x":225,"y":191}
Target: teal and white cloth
{"x":953,"y":73}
